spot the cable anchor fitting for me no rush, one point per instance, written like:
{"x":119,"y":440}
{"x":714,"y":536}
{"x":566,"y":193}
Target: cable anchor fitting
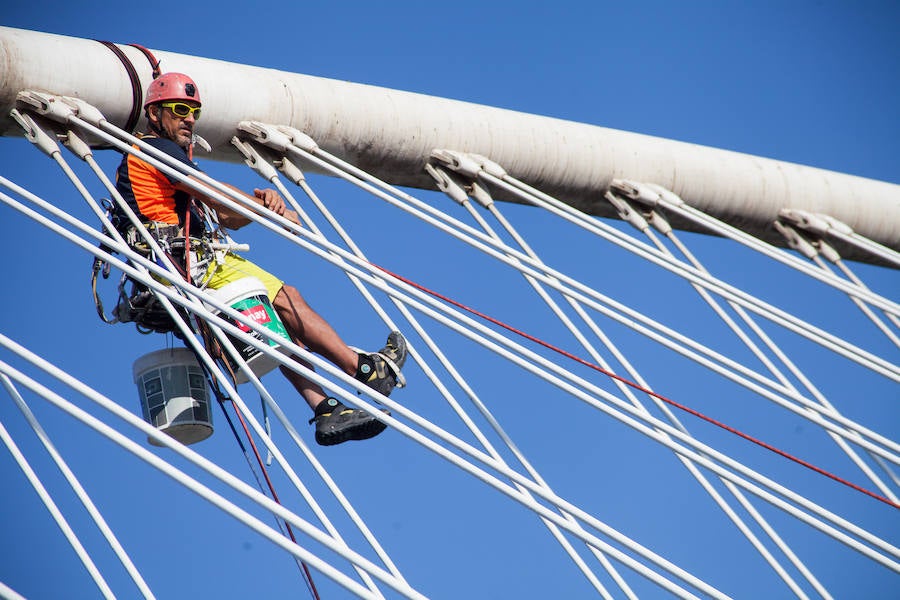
{"x":299,"y":139}
{"x":265,"y":134}
{"x":254,"y":160}
{"x":447,"y":183}
{"x":795,"y":240}
{"x":815,"y":223}
{"x":626,"y":212}
{"x":35,"y":134}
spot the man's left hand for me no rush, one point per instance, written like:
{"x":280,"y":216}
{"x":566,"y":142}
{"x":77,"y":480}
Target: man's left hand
{"x":271,"y":200}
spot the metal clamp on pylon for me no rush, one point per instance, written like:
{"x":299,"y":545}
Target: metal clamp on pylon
{"x":468,"y":164}
{"x":46,"y":105}
{"x":68,"y":110}
{"x":480,"y":194}
{"x":460,"y":162}
{"x":35,"y":134}
{"x":816,"y":226}
{"x":290,"y":170}
{"x":795,"y":240}
{"x":447,"y":183}
{"x":626,"y":212}
{"x":265,"y":134}
{"x":634,"y":191}
{"x":299,"y":139}
{"x":815,"y":223}
{"x":254,"y":160}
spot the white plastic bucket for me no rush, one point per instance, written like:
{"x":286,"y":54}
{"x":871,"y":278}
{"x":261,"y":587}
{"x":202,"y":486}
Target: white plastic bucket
{"x":174,"y":394}
{"x":248,"y":296}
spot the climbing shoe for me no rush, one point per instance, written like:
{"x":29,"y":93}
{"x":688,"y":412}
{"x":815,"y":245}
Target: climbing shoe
{"x":381,"y":370}
{"x":337,"y":423}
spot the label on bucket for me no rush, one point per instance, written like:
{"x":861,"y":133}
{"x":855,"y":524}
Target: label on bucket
{"x":261,"y":313}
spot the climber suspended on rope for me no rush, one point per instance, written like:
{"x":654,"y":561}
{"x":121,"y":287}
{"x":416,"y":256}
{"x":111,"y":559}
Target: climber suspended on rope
{"x":167,"y":207}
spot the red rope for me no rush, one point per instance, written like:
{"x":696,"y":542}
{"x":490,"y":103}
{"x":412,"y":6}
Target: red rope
{"x":265,"y":472}
{"x":640,"y":388}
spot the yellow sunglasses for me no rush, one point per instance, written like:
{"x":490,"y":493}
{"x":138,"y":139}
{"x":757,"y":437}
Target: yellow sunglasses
{"x":182,"y":110}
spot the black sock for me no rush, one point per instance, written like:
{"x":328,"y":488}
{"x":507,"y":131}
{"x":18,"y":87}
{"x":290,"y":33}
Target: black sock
{"x":327,"y":405}
{"x":364,"y":367}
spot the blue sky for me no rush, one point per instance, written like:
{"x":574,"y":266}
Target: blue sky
{"x":812,"y":83}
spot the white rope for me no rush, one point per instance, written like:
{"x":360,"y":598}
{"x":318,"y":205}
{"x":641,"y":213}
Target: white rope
{"x":7,"y":593}
{"x":280,"y":229}
{"x":839,"y":439}
{"x":197,"y":308}
{"x":885,"y":329}
{"x":478,"y":239}
{"x":860,"y":241}
{"x":532,"y":359}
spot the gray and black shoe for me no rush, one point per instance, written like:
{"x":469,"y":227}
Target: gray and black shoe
{"x":381,"y":370}
{"x":337,"y":423}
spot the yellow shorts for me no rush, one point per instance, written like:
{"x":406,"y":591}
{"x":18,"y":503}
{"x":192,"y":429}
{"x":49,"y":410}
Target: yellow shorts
{"x":236,"y":268}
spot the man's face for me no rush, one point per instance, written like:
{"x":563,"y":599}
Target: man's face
{"x":178,"y":129}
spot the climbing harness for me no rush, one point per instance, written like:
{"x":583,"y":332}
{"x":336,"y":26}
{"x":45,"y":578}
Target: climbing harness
{"x":136,"y":303}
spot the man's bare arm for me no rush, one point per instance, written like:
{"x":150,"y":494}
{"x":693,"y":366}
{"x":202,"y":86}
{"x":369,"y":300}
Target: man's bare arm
{"x":230,"y":219}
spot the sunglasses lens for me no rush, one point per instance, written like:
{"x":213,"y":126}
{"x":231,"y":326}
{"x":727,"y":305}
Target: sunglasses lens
{"x":182,"y":110}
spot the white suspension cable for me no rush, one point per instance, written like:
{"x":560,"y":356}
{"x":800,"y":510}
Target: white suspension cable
{"x":822,"y":226}
{"x":839,"y":439}
{"x":196,"y":308}
{"x":54,"y":511}
{"x":296,"y":175}
{"x":395,"y":296}
{"x":853,"y":277}
{"x":283,"y":137}
{"x":720,"y":501}
{"x":210,"y":365}
{"x":532,"y":359}
{"x":817,"y":250}
{"x":82,"y":150}
{"x":550,"y":277}
{"x":352,"y":400}
{"x":749,"y":301}
{"x":7,"y":593}
{"x":199,"y":489}
{"x":864,"y":243}
{"x":79,"y":490}
{"x":299,"y":179}
{"x":288,"y":225}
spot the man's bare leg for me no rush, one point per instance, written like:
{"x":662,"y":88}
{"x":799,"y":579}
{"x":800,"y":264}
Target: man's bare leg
{"x":312,"y":331}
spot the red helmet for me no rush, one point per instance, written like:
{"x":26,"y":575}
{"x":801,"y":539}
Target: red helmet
{"x":172,"y":86}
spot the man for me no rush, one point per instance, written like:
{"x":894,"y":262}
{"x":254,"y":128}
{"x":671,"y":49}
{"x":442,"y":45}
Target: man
{"x":172,"y":108}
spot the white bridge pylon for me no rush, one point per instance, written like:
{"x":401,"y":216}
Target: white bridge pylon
{"x":469,"y":433}
{"x":392,"y":133}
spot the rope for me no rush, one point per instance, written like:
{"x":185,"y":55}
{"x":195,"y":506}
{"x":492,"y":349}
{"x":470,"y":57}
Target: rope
{"x":310,"y":584}
{"x":137,"y":93}
{"x":154,"y":63}
{"x":221,"y":398}
{"x":640,"y":388}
